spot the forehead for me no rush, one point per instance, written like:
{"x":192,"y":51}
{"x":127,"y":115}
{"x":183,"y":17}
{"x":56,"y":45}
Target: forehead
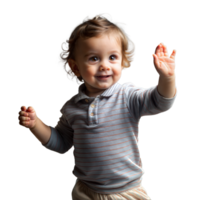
{"x":102,"y":42}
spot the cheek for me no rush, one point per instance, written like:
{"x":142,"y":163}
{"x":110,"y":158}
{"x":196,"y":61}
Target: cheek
{"x":117,"y":71}
{"x":88,"y":72}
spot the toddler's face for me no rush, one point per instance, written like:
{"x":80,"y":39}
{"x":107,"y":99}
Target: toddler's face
{"x":98,"y":60}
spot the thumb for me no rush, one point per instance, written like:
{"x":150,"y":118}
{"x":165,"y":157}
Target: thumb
{"x":30,"y":109}
{"x":153,"y":55}
{"x":156,"y":61}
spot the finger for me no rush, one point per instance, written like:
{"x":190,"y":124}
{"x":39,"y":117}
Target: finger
{"x":24,"y":121}
{"x":25,"y":118}
{"x":173,"y":53}
{"x":159,"y":50}
{"x":23,"y":108}
{"x":24,"y":113}
{"x":154,"y":61}
{"x":155,"y":50}
{"x":30,"y":109}
{"x":165,"y":50}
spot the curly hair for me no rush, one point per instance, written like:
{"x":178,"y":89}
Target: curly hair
{"x":92,"y":28}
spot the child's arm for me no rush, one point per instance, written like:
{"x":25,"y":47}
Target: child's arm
{"x":166,"y":87}
{"x":165,"y":66}
{"x":41,"y":132}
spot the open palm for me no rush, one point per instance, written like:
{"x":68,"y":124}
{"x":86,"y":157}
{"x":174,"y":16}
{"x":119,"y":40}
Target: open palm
{"x":164,"y":64}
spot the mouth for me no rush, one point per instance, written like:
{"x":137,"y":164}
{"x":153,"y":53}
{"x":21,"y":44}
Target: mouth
{"x":103,"y":77}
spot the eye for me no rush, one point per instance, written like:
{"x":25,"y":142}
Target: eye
{"x":113,"y":56}
{"x":94,"y":58}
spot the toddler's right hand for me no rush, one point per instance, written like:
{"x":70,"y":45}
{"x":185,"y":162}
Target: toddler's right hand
{"x":27,"y":117}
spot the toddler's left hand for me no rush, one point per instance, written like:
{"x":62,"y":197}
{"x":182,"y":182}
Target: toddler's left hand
{"x":164,"y":64}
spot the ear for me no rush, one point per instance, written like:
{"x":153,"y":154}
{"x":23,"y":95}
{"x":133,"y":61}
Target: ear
{"x":74,"y":67}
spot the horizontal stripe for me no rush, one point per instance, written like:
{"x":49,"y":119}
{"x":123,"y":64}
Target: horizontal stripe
{"x":104,"y":133}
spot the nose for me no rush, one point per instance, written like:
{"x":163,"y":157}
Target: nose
{"x":104,"y":67}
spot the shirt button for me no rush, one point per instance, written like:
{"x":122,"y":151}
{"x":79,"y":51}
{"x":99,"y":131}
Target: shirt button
{"x":92,"y":114}
{"x":86,"y":100}
{"x":92,"y":105}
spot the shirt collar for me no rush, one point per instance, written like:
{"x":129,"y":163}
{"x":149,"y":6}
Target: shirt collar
{"x":81,"y":94}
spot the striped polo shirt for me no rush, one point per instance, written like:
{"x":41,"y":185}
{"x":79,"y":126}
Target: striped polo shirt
{"x":104,"y":132}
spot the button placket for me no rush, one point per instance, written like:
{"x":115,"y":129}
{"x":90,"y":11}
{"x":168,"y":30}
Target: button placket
{"x":92,"y":111}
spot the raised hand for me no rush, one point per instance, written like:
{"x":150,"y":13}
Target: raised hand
{"x":164,"y":64}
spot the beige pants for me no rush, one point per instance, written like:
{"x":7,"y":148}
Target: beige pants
{"x":83,"y":192}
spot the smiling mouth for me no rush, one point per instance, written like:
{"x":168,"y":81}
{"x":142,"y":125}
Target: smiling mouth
{"x":103,"y":76}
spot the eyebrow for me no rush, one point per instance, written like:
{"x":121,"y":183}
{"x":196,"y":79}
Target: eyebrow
{"x":93,"y":52}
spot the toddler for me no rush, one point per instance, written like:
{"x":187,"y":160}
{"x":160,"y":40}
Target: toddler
{"x":101,"y":121}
